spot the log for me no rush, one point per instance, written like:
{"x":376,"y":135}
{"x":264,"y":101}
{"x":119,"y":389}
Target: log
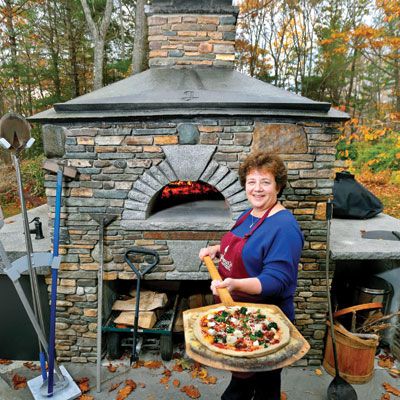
{"x":147,"y":319}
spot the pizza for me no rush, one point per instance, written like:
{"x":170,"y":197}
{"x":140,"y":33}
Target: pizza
{"x":242,"y":331}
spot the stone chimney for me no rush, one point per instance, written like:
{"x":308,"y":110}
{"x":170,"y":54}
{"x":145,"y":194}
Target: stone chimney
{"x":185,"y":33}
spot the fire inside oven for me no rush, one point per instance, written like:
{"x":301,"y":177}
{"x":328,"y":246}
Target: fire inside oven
{"x":181,"y":192}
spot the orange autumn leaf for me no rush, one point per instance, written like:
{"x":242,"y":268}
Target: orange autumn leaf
{"x":283,"y":396}
{"x":176,"y":383}
{"x":19,"y":382}
{"x":177,"y":367}
{"x":385,"y":363}
{"x":167,"y":372}
{"x":385,"y":396}
{"x":390,"y":389}
{"x":209,"y":380}
{"x":131,"y":383}
{"x":164,"y":380}
{"x":112,"y":368}
{"x":83,"y":384}
{"x":5,"y":362}
{"x":138,"y":364}
{"x":114,"y":386}
{"x":124,"y":392}
{"x":191,"y":391}
{"x":152,"y":364}
{"x":86,"y":397}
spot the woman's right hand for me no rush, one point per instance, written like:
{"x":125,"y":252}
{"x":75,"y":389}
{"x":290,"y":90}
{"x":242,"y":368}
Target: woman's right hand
{"x":211,"y":251}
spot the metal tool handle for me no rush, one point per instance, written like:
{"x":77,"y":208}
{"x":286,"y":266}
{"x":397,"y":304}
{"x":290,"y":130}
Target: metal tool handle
{"x":223,"y":293}
{"x":142,"y":250}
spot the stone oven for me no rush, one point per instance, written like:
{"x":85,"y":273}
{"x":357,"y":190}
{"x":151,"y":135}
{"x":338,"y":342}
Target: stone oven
{"x":183,"y":126}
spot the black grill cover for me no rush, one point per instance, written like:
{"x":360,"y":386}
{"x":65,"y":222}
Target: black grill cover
{"x":352,"y":200}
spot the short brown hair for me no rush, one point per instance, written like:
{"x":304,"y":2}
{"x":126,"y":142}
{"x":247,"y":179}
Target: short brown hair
{"x":264,"y":161}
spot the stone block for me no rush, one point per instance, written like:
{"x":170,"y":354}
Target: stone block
{"x":279,"y":138}
{"x":54,"y":140}
{"x":188,"y":133}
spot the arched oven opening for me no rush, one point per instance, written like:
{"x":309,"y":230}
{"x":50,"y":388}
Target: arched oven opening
{"x":184,"y":198}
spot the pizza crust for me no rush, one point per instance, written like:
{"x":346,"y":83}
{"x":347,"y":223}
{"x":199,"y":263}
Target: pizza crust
{"x":284,"y":332}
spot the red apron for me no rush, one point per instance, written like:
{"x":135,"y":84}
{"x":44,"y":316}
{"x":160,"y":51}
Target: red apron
{"x":231,"y":261}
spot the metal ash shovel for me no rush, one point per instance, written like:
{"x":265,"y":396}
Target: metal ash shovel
{"x":338,"y":389}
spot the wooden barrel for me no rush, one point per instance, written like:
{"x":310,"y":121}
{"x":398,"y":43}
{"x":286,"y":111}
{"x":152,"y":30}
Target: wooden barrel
{"x":355,"y":355}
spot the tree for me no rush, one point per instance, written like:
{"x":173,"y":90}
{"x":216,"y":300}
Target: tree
{"x":98,"y":33}
{"x":140,"y":43}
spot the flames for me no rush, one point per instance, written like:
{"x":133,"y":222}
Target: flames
{"x":186,"y":188}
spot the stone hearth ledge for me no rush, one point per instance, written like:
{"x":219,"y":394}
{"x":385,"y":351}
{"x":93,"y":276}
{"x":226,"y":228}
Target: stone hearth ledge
{"x":346,"y":242}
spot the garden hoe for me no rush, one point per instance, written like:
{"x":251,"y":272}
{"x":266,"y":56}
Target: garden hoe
{"x":338,"y":389}
{"x":15,"y":136}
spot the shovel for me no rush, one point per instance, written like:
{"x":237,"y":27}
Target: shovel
{"x":338,"y":389}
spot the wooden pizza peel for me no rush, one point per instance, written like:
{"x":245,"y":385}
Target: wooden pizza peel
{"x":292,"y":352}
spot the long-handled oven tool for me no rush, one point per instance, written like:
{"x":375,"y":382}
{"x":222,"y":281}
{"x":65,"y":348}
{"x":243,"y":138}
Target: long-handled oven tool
{"x":292,"y":352}
{"x":103,"y":220}
{"x":338,"y":389}
{"x":15,"y":136}
{"x":51,"y":166}
{"x":64,"y":386}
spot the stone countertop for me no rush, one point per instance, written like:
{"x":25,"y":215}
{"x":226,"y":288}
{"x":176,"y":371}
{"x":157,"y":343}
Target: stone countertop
{"x":347,"y":244}
{"x":13,"y":238}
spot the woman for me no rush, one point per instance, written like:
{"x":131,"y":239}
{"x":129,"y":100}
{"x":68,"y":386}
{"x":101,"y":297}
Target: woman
{"x":259,"y":260}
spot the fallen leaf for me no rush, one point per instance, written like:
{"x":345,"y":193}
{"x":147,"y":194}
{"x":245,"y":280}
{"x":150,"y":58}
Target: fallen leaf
{"x":318,"y":372}
{"x":86,"y":397}
{"x":164,"y":380}
{"x":191,"y":391}
{"x":209,"y":380}
{"x":394,"y":372}
{"x":390,"y":389}
{"x":138,"y":364}
{"x":176,"y":383}
{"x":83,"y":384}
{"x":283,"y":396}
{"x":112,"y":368}
{"x":386,"y":363}
{"x":5,"y":362}
{"x":152,"y":364}
{"x":142,"y":385}
{"x":182,"y":364}
{"x":167,"y":372}
{"x":385,"y":396}
{"x":114,"y":386}
{"x":176,"y":356}
{"x":30,"y":365}
{"x":131,"y":383}
{"x":124,"y":392}
{"x":19,"y":382}
{"x":177,"y":368}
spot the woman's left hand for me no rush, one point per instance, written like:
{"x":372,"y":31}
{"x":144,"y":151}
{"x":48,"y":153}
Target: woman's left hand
{"x":228,"y":283}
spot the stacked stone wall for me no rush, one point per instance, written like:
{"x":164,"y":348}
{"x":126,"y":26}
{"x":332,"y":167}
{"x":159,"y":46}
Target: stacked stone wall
{"x":192,"y":40}
{"x":111,"y":158}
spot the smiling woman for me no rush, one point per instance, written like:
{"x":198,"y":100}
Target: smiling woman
{"x":259,"y":259}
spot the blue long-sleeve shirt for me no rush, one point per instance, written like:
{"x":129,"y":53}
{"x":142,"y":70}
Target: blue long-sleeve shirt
{"x":272,"y":254}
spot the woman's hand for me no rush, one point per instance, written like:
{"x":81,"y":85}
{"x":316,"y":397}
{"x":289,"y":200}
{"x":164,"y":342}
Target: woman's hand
{"x":211,"y":251}
{"x":245,"y":285}
{"x":229,"y":283}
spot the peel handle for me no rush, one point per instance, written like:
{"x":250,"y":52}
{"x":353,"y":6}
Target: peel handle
{"x":223,"y":293}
